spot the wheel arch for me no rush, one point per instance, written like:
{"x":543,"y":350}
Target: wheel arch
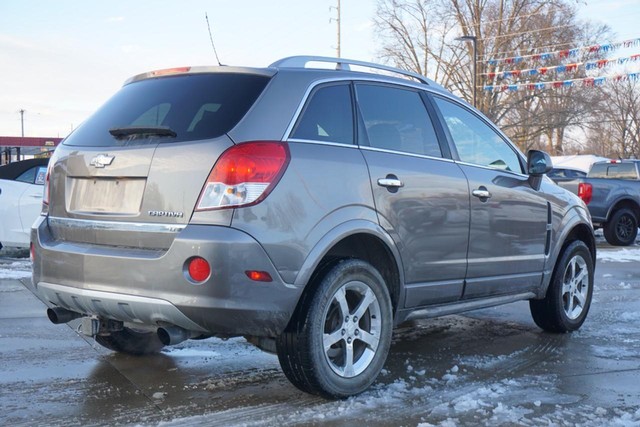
{"x":625,"y":202}
{"x":356,"y":239}
{"x":576,"y":225}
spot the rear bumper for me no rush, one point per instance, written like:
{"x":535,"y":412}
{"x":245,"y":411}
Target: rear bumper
{"x":150,"y":287}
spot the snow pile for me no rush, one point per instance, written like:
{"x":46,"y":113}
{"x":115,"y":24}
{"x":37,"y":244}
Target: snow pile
{"x":619,"y":255}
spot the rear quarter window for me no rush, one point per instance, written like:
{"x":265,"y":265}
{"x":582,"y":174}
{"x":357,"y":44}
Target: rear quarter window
{"x":194,"y":106}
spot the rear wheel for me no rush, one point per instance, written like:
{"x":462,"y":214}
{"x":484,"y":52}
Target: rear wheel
{"x":338,"y":340}
{"x":622,"y":228}
{"x":565,"y":307}
{"x":131,"y":341}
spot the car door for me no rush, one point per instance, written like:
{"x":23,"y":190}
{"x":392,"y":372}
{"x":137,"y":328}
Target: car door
{"x":508,"y":217}
{"x":30,"y":204}
{"x":421,"y":197}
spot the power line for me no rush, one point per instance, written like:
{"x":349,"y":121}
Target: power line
{"x":527,"y":32}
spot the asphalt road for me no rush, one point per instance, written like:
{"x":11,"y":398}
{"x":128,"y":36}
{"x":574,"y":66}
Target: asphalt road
{"x":489,"y":367}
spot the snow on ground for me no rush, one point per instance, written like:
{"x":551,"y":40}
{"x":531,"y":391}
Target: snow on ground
{"x":526,"y":401}
{"x":15,"y":269}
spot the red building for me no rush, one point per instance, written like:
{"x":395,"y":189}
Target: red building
{"x":16,"y":148}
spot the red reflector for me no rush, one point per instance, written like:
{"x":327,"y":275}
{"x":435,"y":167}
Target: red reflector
{"x":259,"y":276}
{"x":585,"y":192}
{"x":32,"y":251}
{"x":199,"y":269}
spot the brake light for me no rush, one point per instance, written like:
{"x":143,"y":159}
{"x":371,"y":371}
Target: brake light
{"x":585,"y":192}
{"x":169,"y":71}
{"x":244,"y":175}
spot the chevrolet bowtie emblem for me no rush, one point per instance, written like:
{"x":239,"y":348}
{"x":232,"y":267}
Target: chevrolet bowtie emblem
{"x":102,"y":160}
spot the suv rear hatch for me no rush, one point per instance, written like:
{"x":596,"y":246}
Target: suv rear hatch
{"x":132,"y":173}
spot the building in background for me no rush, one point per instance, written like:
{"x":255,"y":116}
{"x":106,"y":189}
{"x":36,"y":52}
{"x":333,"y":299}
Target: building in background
{"x":16,"y":148}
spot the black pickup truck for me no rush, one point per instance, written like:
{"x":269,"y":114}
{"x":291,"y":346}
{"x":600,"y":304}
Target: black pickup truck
{"x":611,"y":191}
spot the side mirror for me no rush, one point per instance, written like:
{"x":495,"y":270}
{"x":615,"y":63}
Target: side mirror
{"x":538,"y":163}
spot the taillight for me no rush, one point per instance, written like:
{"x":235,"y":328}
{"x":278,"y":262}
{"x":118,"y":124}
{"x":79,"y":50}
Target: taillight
{"x":46,"y":190}
{"x":585,"y":192}
{"x":244,"y":175}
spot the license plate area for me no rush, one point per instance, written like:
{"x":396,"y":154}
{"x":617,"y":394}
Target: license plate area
{"x":119,"y":196}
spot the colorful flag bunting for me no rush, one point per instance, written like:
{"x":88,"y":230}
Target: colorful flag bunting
{"x":564,"y":54}
{"x":585,"y":82}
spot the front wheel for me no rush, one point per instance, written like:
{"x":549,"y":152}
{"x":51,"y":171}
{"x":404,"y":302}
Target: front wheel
{"x":131,"y":341}
{"x":568,"y":298}
{"x":338,"y":340}
{"x":622,"y":228}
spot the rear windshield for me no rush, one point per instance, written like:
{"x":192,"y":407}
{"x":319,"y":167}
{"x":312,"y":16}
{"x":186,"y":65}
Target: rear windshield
{"x":194,"y":106}
{"x":614,"y":171}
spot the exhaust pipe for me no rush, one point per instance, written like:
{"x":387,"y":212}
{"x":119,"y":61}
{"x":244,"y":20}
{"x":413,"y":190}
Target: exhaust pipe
{"x":59,"y":315}
{"x":172,"y":335}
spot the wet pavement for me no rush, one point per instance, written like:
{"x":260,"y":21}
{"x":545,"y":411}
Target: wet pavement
{"x":491,"y":367}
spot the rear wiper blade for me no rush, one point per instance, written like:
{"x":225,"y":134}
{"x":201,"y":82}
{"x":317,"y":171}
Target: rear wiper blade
{"x":142,"y":131}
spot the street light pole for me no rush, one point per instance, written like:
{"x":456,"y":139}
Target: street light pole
{"x":474,"y":41}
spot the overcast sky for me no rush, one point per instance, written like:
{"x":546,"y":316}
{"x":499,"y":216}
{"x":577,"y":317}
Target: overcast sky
{"x":60,"y":60}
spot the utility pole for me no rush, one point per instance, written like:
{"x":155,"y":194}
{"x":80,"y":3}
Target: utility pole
{"x":338,"y":24}
{"x":22,"y":111}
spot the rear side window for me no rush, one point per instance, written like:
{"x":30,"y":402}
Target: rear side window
{"x":35,"y":175}
{"x":328,"y":116}
{"x":566,"y":173}
{"x":614,"y":171}
{"x":397,"y":119}
{"x":194,"y":106}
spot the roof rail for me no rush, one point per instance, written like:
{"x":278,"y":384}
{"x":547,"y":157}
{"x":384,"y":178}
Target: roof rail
{"x":344,"y":64}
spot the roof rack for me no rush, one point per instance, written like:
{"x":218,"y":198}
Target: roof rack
{"x":344,"y":64}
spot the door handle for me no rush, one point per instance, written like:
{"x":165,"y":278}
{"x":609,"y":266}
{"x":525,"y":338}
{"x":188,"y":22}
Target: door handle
{"x":390,"y":182}
{"x":481,"y":193}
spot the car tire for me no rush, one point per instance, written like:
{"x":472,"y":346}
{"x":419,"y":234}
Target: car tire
{"x":622,"y":228}
{"x":338,"y":340}
{"x":568,"y":298}
{"x":131,"y":341}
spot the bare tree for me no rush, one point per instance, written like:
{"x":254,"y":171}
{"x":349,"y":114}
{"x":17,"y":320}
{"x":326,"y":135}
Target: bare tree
{"x":615,"y":125}
{"x":419,"y":35}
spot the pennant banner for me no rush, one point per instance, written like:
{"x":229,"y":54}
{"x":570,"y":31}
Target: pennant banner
{"x":562,"y":69}
{"x":564,"y":54}
{"x":584,"y":82}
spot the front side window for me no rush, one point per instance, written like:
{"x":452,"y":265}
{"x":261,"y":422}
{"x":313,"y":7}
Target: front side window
{"x":476,"y":142}
{"x":397,"y":119}
{"x":327,"y":117}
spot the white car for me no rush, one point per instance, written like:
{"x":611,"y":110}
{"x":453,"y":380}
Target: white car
{"x":21,"y":187}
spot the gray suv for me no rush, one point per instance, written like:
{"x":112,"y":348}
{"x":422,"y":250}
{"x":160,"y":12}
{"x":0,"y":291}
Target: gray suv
{"x":309,"y":210}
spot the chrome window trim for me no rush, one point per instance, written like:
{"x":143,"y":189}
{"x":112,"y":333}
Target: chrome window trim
{"x":521,"y":175}
{"x":346,"y":80}
{"x":331,"y":143}
{"x":89,"y":224}
{"x":405,"y":153}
